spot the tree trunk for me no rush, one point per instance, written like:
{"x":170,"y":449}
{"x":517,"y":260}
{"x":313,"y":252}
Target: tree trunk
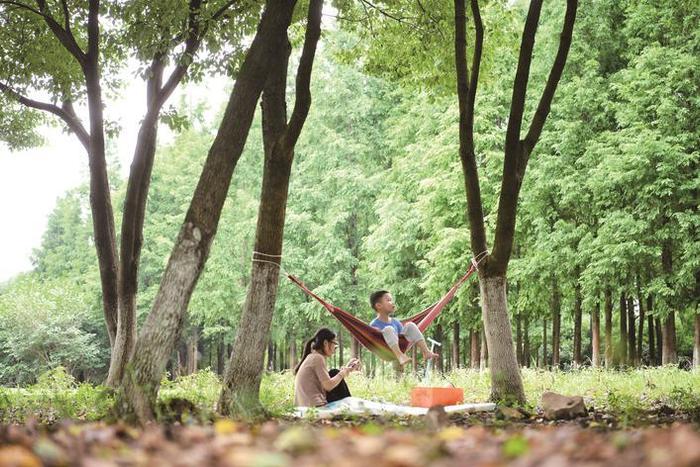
{"x":631,"y":335}
{"x":439,"y":361}
{"x":595,"y":336}
{"x":192,"y":351}
{"x":483,"y":352}
{"x":668,"y":331}
{"x":556,"y":323}
{"x":163,"y":325}
{"x":518,"y":339}
{"x":640,"y":334}
{"x":354,"y":348}
{"x":623,"y":330}
{"x":696,"y":342}
{"x":474,"y":351}
{"x":526,"y":342}
{"x":544,"y":343}
{"x":659,"y":340}
{"x":578,"y":317}
{"x":220,"y":356}
{"x":505,"y":373}
{"x":668,"y":340}
{"x":651,"y":334}
{"x":608,"y":329}
{"x":292,"y":355}
{"x":455,"y":345}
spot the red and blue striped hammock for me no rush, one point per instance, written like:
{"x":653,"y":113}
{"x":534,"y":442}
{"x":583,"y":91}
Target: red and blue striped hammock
{"x":371,"y":338}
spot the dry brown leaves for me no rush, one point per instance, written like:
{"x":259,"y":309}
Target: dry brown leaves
{"x":227,"y":443}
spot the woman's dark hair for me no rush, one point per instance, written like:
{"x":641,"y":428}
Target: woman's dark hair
{"x":315,"y":343}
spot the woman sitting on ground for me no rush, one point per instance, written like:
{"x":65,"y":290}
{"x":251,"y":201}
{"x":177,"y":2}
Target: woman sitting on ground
{"x":314,"y":385}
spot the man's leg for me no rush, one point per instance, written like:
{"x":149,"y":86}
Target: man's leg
{"x":392,"y":340}
{"x":414,"y":336}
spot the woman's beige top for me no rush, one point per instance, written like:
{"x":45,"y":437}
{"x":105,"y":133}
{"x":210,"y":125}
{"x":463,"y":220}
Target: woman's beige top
{"x":308,"y":385}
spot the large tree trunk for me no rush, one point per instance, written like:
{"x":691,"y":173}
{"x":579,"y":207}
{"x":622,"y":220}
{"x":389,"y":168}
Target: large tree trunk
{"x":163,"y":325}
{"x":623,"y":330}
{"x":608,"y":329}
{"x":595,"y":336}
{"x":506,"y":383}
{"x":240,"y":393}
{"x":455,"y":345}
{"x":631,"y":335}
{"x":578,"y":317}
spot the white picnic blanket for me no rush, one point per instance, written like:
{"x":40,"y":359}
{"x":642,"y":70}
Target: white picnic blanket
{"x":357,"y":406}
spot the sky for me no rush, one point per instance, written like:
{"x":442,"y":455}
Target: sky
{"x":31,"y":181}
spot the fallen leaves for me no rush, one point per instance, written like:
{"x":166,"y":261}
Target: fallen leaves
{"x":278,"y":444}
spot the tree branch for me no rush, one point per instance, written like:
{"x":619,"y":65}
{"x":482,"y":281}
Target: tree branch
{"x":66,"y":113}
{"x":466,"y":93}
{"x":93,"y":28}
{"x":302,"y":102}
{"x":66,"y":17}
{"x":65,"y":37}
{"x":555,"y":73}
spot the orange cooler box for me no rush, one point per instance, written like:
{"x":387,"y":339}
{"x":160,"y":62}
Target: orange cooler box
{"x":428,"y":397}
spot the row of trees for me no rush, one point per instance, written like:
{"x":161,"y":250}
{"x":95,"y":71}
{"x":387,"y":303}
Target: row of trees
{"x":376,"y":197}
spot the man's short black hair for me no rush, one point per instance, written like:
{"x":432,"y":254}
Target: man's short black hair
{"x":376,"y":296}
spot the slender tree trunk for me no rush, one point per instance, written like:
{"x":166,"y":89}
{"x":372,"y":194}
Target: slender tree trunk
{"x":631,"y":335}
{"x":651,"y":334}
{"x":220,"y":356}
{"x":526,"y":342}
{"x":623,"y":330}
{"x":439,"y":361}
{"x":518,"y":339}
{"x":340,"y":347}
{"x":505,"y":373}
{"x":640,"y":334}
{"x":544,"y":343}
{"x":659,"y":340}
{"x":668,"y":331}
{"x":354,"y":348}
{"x":595,"y":336}
{"x":578,"y":316}
{"x":292,"y":355}
{"x":163,"y":325}
{"x":608,"y":329}
{"x":192,"y":350}
{"x":483,"y":352}
{"x":556,"y":323}
{"x":696,"y":342}
{"x":475,"y":351}
{"x":455,"y":345}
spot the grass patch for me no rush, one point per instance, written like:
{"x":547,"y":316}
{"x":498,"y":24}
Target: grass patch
{"x":624,"y":394}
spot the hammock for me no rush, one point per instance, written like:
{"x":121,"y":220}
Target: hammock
{"x":372,"y":338}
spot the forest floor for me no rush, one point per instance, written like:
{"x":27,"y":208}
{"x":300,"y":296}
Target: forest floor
{"x":644,"y":417}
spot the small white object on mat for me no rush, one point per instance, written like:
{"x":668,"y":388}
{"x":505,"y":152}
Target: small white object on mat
{"x":357,"y":406}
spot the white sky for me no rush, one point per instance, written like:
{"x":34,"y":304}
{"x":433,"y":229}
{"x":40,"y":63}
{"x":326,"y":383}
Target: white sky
{"x":31,"y":181}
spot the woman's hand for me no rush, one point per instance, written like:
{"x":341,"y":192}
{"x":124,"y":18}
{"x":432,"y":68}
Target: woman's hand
{"x":354,"y":364}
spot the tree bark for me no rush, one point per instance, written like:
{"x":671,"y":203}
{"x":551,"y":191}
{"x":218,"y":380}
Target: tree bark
{"x":483,"y":352}
{"x":220,"y":351}
{"x":518,"y":339}
{"x":696,"y":342}
{"x":474,"y":351}
{"x":668,"y":331}
{"x":623,"y":330}
{"x":631,"y":334}
{"x":526,"y":342}
{"x":659,"y":340}
{"x":578,"y":317}
{"x":506,"y":383}
{"x":608,"y":329}
{"x":162,"y":327}
{"x":240,"y":393}
{"x":595,"y":336}
{"x":455,"y":345}
{"x":544,"y":343}
{"x":556,"y":323}
{"x":651,"y":335}
{"x":640,"y":334}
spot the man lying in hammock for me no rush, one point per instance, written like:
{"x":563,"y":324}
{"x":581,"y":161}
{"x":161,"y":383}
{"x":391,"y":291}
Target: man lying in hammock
{"x":383,"y":304}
